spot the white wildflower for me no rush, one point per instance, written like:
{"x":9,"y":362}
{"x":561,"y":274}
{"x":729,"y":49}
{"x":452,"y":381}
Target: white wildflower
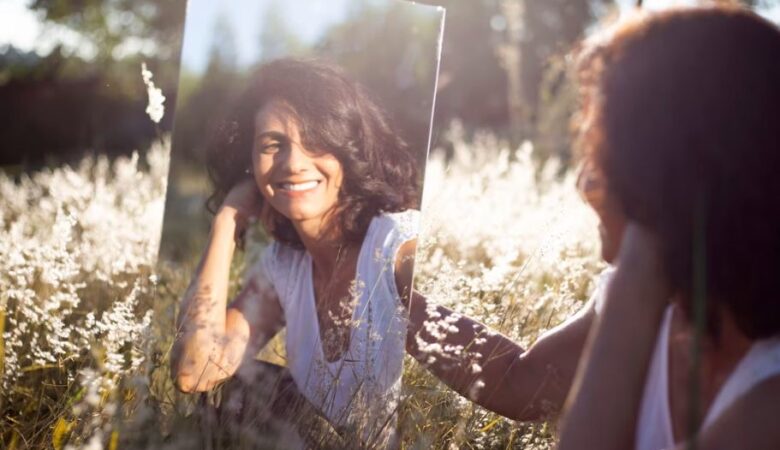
{"x":95,"y":442}
{"x":475,"y":388}
{"x":155,"y":108}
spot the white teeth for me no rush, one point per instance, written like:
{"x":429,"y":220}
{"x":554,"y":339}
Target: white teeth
{"x":300,"y":186}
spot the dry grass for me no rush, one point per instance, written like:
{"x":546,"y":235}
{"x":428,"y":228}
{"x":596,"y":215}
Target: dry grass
{"x":88,"y":321}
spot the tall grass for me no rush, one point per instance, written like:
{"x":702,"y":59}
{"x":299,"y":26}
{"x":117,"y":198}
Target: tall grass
{"x":505,"y":240}
{"x":89,"y":320}
{"x":78,"y":246}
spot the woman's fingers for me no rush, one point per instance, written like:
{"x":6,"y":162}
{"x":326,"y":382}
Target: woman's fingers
{"x":244,"y":199}
{"x":640,"y":260}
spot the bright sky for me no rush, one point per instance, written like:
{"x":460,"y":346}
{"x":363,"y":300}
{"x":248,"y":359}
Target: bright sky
{"x":23,"y":29}
{"x":308,"y":18}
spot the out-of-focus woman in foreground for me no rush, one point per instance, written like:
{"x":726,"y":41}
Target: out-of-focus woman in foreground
{"x":681,"y":125}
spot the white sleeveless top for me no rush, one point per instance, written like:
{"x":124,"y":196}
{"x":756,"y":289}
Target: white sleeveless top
{"x":367,"y":378}
{"x":654,"y":426}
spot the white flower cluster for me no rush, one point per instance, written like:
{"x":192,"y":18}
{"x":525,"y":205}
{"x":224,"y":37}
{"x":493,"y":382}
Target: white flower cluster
{"x":93,"y":407}
{"x":68,"y":238}
{"x":154,"y":108}
{"x":503,"y":237}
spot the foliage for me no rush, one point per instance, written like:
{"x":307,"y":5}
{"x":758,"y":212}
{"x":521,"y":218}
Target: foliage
{"x":64,"y":105}
{"x":90,"y":324}
{"x":77,"y":245}
{"x":111,"y":24}
{"x":507,"y":242}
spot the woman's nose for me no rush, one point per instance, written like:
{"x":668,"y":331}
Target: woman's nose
{"x":296,"y":158}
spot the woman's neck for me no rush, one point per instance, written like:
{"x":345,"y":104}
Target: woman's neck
{"x":731,"y":344}
{"x":323,"y":244}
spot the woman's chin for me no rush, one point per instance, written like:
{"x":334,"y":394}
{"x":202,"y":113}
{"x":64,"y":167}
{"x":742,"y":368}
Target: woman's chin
{"x":302,"y":214}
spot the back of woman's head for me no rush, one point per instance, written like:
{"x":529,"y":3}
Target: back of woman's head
{"x":681,"y":115}
{"x":336,"y":115}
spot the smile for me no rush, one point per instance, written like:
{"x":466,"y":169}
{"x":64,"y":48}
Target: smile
{"x":298,"y":187}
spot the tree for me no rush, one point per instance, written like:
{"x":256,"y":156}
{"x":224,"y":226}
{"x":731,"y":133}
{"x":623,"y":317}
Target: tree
{"x":390,"y":47}
{"x":276,"y":40}
{"x":198,"y":115}
{"x":109,"y":24}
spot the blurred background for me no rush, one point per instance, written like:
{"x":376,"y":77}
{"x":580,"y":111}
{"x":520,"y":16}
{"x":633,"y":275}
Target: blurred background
{"x":86,"y":316}
{"x":70,"y":84}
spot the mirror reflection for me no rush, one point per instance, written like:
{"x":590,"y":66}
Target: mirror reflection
{"x":295,"y":182}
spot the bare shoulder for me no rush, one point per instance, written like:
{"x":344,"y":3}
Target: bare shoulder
{"x":750,"y":422}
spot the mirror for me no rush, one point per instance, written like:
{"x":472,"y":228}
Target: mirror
{"x":305,"y":126}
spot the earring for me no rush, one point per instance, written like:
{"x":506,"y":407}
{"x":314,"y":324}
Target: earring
{"x":247,"y":171}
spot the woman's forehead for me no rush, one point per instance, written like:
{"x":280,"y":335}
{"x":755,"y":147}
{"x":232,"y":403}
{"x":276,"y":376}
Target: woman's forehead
{"x":277,"y":116}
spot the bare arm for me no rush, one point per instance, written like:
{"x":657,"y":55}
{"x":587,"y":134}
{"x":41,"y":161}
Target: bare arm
{"x":604,"y":402}
{"x":492,"y":370}
{"x":213,"y":340}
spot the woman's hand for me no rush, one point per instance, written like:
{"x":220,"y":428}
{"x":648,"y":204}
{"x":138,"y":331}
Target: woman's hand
{"x":640,"y":265}
{"x":604,"y":404}
{"x":209,"y":346}
{"x":242,"y":204}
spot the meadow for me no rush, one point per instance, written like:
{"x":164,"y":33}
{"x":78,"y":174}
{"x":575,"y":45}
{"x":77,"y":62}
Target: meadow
{"x":88,"y":316}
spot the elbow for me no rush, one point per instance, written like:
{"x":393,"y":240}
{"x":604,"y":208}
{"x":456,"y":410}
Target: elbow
{"x":533,"y":392}
{"x":188,"y":378}
{"x":181,"y":380}
{"x":183,"y":383}
{"x":199,"y":365}
{"x":190,"y":385}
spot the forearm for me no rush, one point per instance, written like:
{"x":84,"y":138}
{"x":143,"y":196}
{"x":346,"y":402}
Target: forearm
{"x":202,"y":348}
{"x":469,"y":357}
{"x":607,"y":393}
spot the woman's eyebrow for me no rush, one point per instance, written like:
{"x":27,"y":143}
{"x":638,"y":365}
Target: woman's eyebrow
{"x":277,"y":135}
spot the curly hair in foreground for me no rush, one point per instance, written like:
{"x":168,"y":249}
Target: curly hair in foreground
{"x":687,"y":140}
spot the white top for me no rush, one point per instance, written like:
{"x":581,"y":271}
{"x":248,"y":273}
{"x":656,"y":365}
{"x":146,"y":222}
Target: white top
{"x":367,"y":378}
{"x":654,"y":428}
{"x":654,"y":425}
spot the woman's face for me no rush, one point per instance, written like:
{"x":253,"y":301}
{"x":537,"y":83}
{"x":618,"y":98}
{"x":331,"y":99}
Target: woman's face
{"x":612,"y":223}
{"x":301,"y":184}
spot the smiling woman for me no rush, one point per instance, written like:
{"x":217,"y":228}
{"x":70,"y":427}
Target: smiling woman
{"x":314,"y":109}
{"x":309,"y":153}
{"x":301,"y":184}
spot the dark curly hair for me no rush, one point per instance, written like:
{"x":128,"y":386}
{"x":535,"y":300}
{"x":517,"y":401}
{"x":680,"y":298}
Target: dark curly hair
{"x":680,"y":114}
{"x":336,"y":114}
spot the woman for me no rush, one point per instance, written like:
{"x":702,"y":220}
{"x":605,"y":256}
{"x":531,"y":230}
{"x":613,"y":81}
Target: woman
{"x":681,"y":143}
{"x":681,"y":121}
{"x":315,"y":159}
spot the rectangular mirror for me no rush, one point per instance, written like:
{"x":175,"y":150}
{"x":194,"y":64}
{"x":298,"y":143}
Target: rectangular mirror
{"x":299,"y":146}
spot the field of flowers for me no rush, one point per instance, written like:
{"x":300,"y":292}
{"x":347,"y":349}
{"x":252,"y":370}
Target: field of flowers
{"x":88,"y":317}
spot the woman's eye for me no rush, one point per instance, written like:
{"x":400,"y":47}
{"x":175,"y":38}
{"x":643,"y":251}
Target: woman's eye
{"x":272,"y":147}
